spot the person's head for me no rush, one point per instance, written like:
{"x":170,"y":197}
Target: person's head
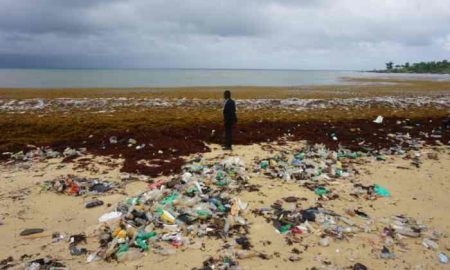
{"x":227,"y":94}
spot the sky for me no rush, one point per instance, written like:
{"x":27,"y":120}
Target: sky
{"x":248,"y":34}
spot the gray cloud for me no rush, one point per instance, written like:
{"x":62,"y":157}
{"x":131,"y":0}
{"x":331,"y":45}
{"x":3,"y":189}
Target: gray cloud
{"x":340,"y":34}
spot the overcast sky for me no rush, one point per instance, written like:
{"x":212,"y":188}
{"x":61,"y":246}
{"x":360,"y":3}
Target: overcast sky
{"x":289,"y":34}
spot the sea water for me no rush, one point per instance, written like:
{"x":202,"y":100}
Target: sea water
{"x":122,"y":78}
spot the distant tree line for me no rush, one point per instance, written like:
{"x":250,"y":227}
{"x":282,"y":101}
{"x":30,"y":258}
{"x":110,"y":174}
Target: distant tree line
{"x":422,"y":67}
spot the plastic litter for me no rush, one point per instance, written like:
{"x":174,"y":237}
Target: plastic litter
{"x":199,"y":202}
{"x":321,"y":191}
{"x":110,"y":216}
{"x":324,"y":241}
{"x":386,"y":254}
{"x":443,"y":258}
{"x":379,"y":190}
{"x":31,"y":231}
{"x":93,"y":203}
{"x":378,"y":120}
{"x":44,"y":263}
{"x":76,"y":186}
{"x":113,"y":140}
{"x":430,"y":244}
{"x":75,"y":251}
{"x":311,"y":166}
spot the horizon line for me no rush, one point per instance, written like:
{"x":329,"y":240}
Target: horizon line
{"x":175,"y":68}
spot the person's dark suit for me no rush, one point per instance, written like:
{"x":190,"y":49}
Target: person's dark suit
{"x":229,"y":117}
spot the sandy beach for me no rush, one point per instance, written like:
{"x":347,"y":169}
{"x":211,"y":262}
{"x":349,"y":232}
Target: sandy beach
{"x":139,"y":139}
{"x":224,"y":135}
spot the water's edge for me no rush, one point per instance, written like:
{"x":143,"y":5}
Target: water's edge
{"x":103,"y":78}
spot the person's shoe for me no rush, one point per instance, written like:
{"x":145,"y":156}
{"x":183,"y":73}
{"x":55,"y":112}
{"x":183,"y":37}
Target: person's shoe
{"x":228,"y":148}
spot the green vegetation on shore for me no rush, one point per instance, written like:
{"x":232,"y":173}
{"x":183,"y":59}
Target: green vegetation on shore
{"x":439,"y":67}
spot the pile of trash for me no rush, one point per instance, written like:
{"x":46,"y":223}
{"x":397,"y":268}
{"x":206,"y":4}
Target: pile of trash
{"x":46,"y":263}
{"x":396,"y":228}
{"x":42,"y":153}
{"x":315,"y":166}
{"x":311,"y":163}
{"x":298,"y":224}
{"x":77,"y":186}
{"x":312,"y":167}
{"x":298,"y":104}
{"x":315,"y":220}
{"x":202,"y":201}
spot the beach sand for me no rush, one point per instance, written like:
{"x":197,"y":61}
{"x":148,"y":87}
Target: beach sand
{"x":420,"y":193}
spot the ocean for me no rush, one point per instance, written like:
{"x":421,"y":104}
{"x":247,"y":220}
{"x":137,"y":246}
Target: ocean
{"x":123,"y":78}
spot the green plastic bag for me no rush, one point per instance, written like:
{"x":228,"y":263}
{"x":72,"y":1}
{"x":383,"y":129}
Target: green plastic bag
{"x":145,"y":236}
{"x":264,"y":164}
{"x":351,"y":155}
{"x":123,"y":248}
{"x":221,"y":183}
{"x":379,"y":190}
{"x":203,"y":213}
{"x":284,"y":228}
{"x":169,"y":199}
{"x":141,"y":243}
{"x":321,"y":191}
{"x":133,"y":201}
{"x":220,"y":175}
{"x":300,"y":156}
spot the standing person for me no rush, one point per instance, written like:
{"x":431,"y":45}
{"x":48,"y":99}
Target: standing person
{"x":229,"y":118}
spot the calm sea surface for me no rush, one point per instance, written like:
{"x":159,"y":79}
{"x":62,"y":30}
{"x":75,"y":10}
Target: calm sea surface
{"x":65,"y":78}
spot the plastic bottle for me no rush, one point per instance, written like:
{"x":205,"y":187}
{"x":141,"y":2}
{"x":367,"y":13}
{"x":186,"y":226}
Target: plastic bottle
{"x":199,"y":188}
{"x":167,"y":217}
{"x":110,"y":216}
{"x":428,"y":243}
{"x":92,"y":257}
{"x":145,"y":235}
